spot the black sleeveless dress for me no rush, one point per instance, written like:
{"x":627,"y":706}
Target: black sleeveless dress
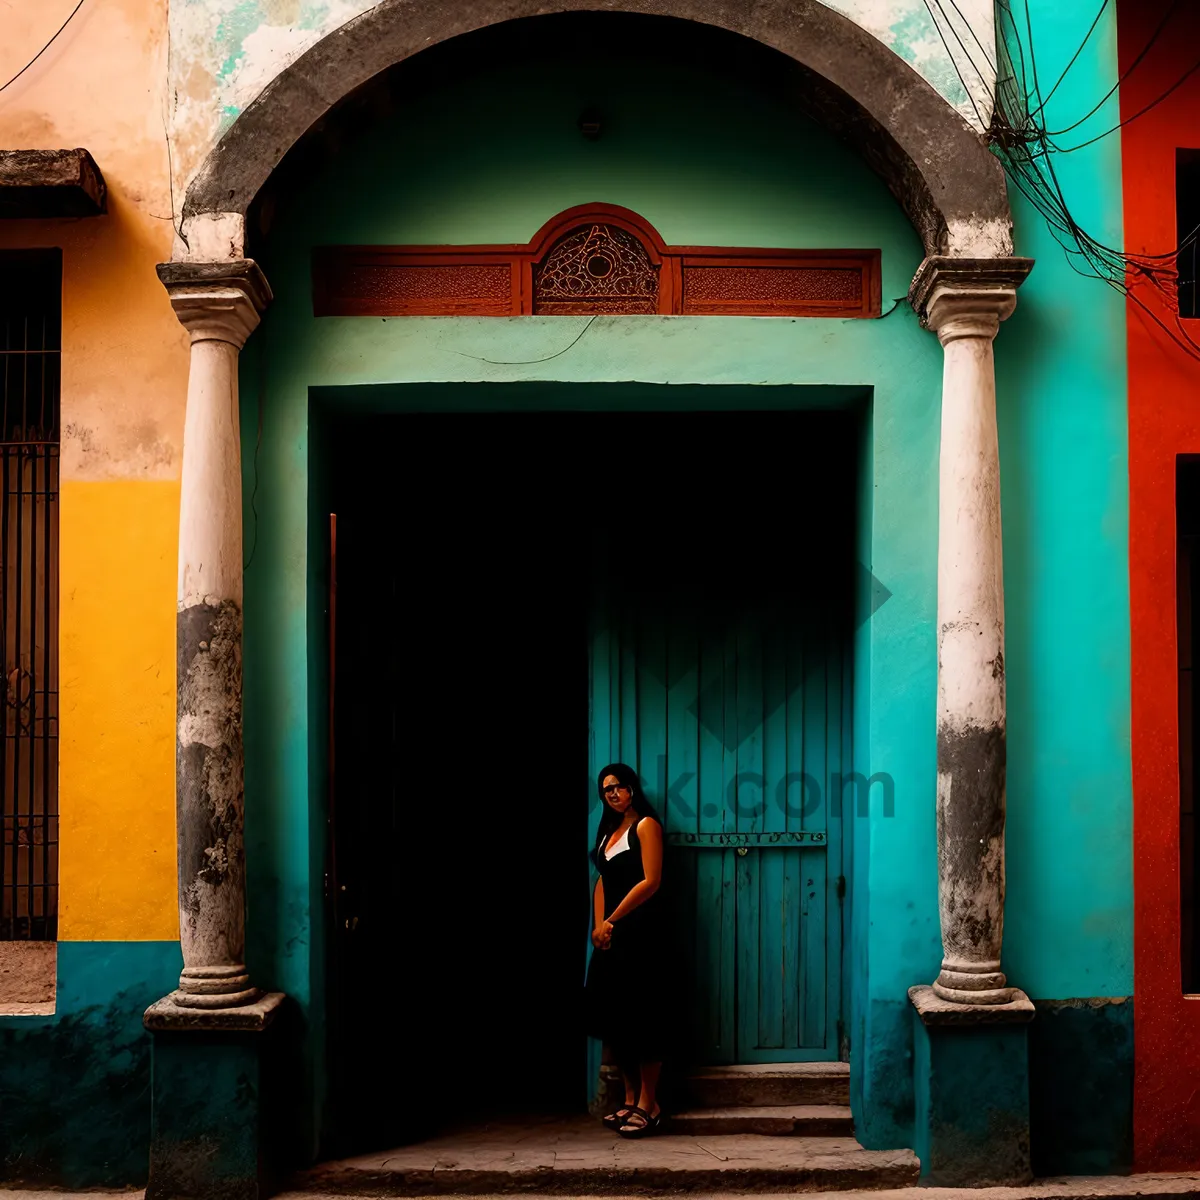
{"x":626,"y":996}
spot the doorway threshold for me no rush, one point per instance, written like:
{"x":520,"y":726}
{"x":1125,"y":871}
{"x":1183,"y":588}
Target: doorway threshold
{"x":576,"y":1155}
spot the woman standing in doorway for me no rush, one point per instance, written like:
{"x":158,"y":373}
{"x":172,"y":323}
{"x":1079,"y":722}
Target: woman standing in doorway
{"x":626,"y":982}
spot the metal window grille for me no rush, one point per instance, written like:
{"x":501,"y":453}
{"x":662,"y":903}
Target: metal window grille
{"x":30,"y":374}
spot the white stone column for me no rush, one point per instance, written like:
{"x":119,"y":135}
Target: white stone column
{"x":219,"y":304}
{"x":964,"y":301}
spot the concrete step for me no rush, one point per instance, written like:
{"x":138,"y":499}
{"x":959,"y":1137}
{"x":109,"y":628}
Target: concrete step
{"x":578,"y":1156}
{"x":770,"y":1084}
{"x":770,"y":1120}
{"x":1078,"y":1187}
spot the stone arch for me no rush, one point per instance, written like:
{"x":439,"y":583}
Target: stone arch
{"x":939,"y":168}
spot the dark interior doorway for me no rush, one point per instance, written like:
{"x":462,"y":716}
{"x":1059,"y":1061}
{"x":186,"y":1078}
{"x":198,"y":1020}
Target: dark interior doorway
{"x":461,"y":756}
{"x":470,"y":550}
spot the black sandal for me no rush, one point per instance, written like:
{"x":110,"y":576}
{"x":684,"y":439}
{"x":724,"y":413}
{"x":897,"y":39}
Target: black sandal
{"x":616,"y":1118}
{"x":651,"y":1125}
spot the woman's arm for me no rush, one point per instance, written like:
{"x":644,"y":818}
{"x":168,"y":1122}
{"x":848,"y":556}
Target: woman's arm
{"x":649,"y":833}
{"x":599,"y":935}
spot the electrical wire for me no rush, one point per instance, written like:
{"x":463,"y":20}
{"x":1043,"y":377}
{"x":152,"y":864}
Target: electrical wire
{"x":1027,"y":151}
{"x":525,"y":362}
{"x":950,"y":55}
{"x":983,"y":78}
{"x":46,"y":47}
{"x":1140,"y":113}
{"x":1074,"y":58}
{"x":1171,"y":9}
{"x":974,"y":36}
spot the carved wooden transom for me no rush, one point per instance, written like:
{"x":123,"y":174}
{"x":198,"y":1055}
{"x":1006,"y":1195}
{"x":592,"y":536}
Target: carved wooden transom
{"x":596,"y":269}
{"x":590,"y":260}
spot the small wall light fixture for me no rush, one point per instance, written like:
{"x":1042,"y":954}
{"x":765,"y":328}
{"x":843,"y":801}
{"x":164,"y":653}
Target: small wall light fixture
{"x":590,"y":124}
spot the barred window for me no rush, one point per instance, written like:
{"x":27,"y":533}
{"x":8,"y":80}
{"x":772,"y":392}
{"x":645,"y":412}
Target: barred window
{"x":30,"y":373}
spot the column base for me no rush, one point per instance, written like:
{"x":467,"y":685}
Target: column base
{"x":971,"y":1076}
{"x":208,"y":1108}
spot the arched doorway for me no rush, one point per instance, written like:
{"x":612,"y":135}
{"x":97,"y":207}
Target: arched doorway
{"x":533,"y":468}
{"x":702,"y":166}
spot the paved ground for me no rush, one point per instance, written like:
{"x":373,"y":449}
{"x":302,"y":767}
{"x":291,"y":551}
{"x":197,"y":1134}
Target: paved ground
{"x":565,"y":1154}
{"x":1079,"y":1187}
{"x":575,"y":1158}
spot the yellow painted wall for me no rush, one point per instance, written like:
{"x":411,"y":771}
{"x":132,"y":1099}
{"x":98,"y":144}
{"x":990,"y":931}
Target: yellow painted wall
{"x":118,"y":685}
{"x":101,"y":85}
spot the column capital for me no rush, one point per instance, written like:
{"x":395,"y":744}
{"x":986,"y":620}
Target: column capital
{"x":966,"y":297}
{"x":217,"y":301}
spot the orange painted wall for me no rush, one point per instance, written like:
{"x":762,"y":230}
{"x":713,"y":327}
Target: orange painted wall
{"x":1164,"y":421}
{"x":101,"y":85}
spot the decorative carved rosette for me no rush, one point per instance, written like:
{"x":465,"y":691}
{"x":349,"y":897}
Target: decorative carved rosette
{"x":596,"y":269}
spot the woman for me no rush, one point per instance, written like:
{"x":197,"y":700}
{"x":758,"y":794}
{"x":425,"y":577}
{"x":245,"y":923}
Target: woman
{"x":626,"y":982}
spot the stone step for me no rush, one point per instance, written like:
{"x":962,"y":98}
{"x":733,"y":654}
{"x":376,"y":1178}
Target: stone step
{"x":579,"y":1157}
{"x":771,"y":1120}
{"x":770,"y":1084}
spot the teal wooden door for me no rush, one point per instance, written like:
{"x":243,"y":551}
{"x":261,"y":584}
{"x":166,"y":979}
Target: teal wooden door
{"x":721,"y":598}
{"x":737,"y":719}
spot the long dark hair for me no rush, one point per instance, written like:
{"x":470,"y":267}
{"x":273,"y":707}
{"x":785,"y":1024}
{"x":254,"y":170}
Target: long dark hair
{"x":609,"y":817}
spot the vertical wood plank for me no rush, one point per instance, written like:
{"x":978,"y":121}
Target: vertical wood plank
{"x":838,"y":762}
{"x":793,"y":942}
{"x":709,"y":977}
{"x":711,"y":701}
{"x":812,"y":866}
{"x":751,"y":802}
{"x":795,"y":720}
{"x":775,"y":731}
{"x":772,"y":936}
{"x":651,"y":674}
{"x":628,"y":675}
{"x":749,"y":1003}
{"x":599,"y":750}
{"x":683,"y":732}
{"x":757,"y":986}
{"x":729,"y":1000}
{"x":715,"y":872}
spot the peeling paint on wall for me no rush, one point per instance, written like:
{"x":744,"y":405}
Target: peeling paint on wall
{"x":225,"y":52}
{"x":956,"y":52}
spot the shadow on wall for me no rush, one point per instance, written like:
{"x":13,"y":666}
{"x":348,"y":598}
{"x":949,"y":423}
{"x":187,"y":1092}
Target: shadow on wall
{"x":75,"y":1086}
{"x":1081,"y":1086}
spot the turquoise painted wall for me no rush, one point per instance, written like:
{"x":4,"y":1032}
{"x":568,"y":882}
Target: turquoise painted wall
{"x":1062,"y":416}
{"x":1061,"y":383}
{"x":708,"y":161}
{"x":75,"y":1086}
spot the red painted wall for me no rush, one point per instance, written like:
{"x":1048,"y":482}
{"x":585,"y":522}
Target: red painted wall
{"x":1164,"y":421}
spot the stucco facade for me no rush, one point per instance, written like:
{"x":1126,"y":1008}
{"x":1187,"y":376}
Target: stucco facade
{"x":199,"y":118}
{"x":225,"y":53}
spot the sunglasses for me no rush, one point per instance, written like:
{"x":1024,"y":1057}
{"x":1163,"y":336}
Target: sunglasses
{"x":614,"y":787}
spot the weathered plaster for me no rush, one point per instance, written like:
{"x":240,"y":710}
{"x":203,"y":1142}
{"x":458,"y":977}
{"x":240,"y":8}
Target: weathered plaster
{"x":212,"y":868}
{"x":225,"y":52}
{"x":101,"y":86}
{"x":931,"y":159}
{"x":75,"y":1084}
